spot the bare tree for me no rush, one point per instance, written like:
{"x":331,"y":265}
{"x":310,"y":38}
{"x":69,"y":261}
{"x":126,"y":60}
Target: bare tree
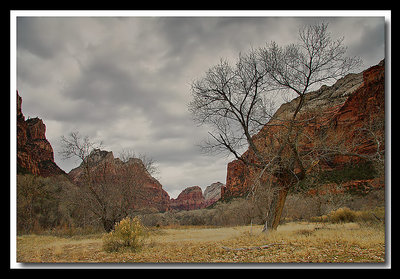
{"x":77,"y":146}
{"x":108,"y":189}
{"x":117,"y":189}
{"x":237,"y":101}
{"x":80,"y":147}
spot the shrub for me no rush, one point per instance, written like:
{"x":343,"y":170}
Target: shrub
{"x":128,"y":234}
{"x":322,"y":219}
{"x":370,"y":217}
{"x":342,"y":215}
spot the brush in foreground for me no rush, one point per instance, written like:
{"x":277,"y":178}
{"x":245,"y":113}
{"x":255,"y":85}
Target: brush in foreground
{"x":127,"y":235}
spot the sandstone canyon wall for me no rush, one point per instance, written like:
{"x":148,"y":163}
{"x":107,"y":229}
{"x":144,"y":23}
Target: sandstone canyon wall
{"x":349,"y":114}
{"x":132,"y":176}
{"x":35,"y":156}
{"x":34,"y":152}
{"x":189,"y":199}
{"x":192,"y":198}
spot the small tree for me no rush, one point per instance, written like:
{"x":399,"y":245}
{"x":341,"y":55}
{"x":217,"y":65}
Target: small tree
{"x":237,"y":101}
{"x":107,"y":190}
{"x":77,"y":146}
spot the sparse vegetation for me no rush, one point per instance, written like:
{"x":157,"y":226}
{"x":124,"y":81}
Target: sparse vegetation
{"x":236,"y":212}
{"x":346,"y":215}
{"x":346,"y":231}
{"x":48,"y":206}
{"x":302,"y":242}
{"x":321,"y":228}
{"x":299,"y":207}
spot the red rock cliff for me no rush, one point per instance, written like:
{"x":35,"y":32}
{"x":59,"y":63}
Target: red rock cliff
{"x":34,"y":152}
{"x":351,"y":113}
{"x":192,"y":198}
{"x":189,"y":199}
{"x":145,"y":190}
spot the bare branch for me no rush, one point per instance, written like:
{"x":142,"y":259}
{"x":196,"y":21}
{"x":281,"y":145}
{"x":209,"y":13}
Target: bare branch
{"x":237,"y":101}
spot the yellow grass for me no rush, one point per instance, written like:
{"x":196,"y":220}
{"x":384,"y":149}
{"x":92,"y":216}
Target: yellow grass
{"x":295,"y":242}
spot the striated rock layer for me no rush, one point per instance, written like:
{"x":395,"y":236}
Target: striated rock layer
{"x":34,"y":152}
{"x":212,"y":193}
{"x":348,"y":115}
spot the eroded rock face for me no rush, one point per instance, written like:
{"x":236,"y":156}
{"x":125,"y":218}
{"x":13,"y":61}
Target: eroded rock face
{"x":192,"y":198}
{"x":189,"y":199}
{"x":362,"y":117}
{"x":212,"y":193}
{"x":349,"y":113}
{"x":145,"y":190}
{"x":34,"y":152}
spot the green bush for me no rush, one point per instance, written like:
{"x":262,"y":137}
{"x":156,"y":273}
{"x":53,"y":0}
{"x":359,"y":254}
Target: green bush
{"x":128,"y":234}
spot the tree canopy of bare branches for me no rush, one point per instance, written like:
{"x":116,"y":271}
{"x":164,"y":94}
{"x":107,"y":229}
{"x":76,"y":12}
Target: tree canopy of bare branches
{"x":107,"y":190}
{"x":237,"y":100}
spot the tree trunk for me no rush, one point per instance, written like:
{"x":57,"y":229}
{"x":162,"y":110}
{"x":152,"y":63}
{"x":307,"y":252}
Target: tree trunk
{"x":276,"y":207}
{"x":282,"y":194}
{"x":108,"y":225}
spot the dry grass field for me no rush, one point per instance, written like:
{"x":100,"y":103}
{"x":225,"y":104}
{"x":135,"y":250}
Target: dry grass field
{"x":291,"y":243}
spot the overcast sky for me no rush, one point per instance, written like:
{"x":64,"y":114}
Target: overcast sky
{"x":126,"y":80}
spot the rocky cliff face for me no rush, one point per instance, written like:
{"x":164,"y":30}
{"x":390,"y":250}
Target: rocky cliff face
{"x":189,"y":199}
{"x":212,"y":193}
{"x":145,"y":190}
{"x":361,"y":119}
{"x":34,"y":152}
{"x":349,"y":114}
{"x":193,"y":198}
